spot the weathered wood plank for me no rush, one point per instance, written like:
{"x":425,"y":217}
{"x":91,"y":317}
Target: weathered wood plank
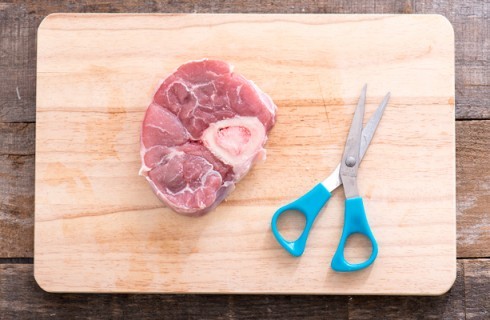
{"x":471,"y":23}
{"x":477,"y":288}
{"x":473,"y":188}
{"x":17,"y":138}
{"x":17,"y":64}
{"x":16,"y":189}
{"x":21,"y":298}
{"x":448,"y":306}
{"x":235,"y":6}
{"x":16,"y":205}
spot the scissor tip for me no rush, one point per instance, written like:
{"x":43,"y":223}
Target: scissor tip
{"x":363,"y":91}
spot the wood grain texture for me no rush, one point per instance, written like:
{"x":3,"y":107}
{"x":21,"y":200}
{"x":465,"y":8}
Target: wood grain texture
{"x":448,"y":306}
{"x":469,"y":19}
{"x":92,"y":208}
{"x":21,"y":297}
{"x":16,"y":189}
{"x":17,"y":65}
{"x":17,"y":138}
{"x":473,"y":188}
{"x":477,"y":282}
{"x":21,"y":17}
{"x":17,"y":95}
{"x":471,"y":24}
{"x":17,"y":205}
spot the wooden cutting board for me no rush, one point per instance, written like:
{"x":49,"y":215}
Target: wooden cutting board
{"x":99,"y":228}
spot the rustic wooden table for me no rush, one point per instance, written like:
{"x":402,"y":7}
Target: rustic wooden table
{"x":21,"y":297}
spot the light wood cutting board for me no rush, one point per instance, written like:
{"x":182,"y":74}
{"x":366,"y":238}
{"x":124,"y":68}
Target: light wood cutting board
{"x":98,"y":226}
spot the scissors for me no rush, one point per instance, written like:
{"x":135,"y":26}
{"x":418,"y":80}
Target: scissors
{"x":311,"y":203}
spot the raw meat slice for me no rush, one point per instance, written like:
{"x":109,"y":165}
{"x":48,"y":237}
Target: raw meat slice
{"x":203,"y":131}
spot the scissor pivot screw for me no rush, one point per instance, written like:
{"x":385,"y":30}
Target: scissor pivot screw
{"x":350,"y":161}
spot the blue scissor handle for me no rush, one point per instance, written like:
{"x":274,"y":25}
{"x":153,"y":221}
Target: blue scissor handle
{"x":309,"y":205}
{"x":355,"y":221}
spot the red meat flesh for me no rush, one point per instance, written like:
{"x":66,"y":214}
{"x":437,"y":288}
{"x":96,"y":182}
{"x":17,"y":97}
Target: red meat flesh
{"x":203,"y":131}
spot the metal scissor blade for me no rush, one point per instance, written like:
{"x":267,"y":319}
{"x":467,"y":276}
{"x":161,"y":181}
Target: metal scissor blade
{"x":370,"y":128}
{"x":334,"y":181}
{"x":353,"y":142}
{"x":351,"y":156}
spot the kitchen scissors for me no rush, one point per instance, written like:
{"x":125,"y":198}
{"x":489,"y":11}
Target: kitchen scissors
{"x":311,"y":203}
